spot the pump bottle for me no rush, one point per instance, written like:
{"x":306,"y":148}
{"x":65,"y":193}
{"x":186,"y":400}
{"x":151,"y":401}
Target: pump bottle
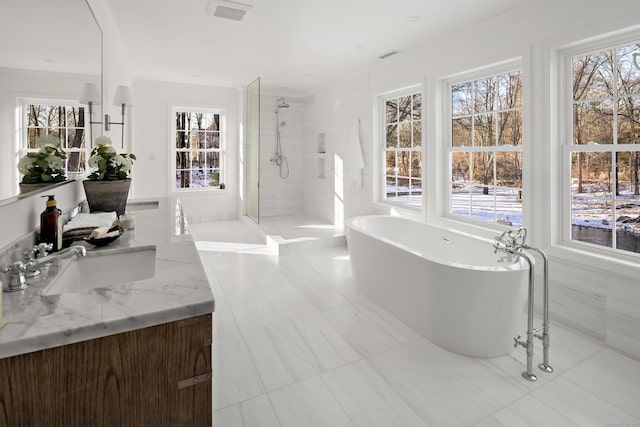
{"x":51,"y":224}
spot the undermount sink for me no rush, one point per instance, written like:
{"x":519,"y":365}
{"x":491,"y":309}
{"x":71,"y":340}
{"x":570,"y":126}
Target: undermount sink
{"x":103,"y":268}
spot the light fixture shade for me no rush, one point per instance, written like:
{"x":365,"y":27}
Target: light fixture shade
{"x":89,"y":94}
{"x":123,"y":96}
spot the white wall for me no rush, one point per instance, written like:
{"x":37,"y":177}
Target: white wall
{"x":598,"y":296}
{"x":330,"y":114}
{"x":152,"y":145}
{"x":281,"y":196}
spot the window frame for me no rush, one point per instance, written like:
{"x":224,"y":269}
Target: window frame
{"x":493,"y":70}
{"x":222,"y":150}
{"x":23,"y":148}
{"x":566,"y":145}
{"x":380,"y":169}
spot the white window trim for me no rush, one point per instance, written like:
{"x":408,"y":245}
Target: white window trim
{"x":446,"y":84}
{"x":380,"y":149}
{"x":172,"y":147}
{"x":581,"y":253}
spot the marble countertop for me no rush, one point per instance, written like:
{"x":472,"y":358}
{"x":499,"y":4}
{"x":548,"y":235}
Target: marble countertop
{"x":178,"y":290}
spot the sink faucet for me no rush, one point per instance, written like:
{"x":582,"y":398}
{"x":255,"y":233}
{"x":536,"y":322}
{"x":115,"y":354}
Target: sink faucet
{"x":18,"y":269}
{"x":17,"y":278}
{"x":76,"y":250}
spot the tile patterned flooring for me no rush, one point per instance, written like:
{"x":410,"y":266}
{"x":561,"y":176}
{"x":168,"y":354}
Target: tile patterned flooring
{"x":296,"y":344}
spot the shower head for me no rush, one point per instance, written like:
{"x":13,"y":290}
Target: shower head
{"x":282,"y":104}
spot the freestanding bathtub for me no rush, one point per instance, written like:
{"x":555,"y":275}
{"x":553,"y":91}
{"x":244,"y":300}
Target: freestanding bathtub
{"x":450,"y":287}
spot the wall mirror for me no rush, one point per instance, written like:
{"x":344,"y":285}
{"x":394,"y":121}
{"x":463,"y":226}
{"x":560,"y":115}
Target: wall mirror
{"x":48,"y":51}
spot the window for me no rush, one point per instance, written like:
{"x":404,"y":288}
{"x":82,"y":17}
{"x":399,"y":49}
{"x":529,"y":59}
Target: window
{"x":403,"y":149}
{"x":604,"y":150}
{"x":485,"y":148}
{"x":63,"y":120}
{"x":199,"y":149}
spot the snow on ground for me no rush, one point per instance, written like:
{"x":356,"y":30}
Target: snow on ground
{"x":588,"y":210}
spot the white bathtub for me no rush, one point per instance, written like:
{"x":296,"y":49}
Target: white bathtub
{"x":450,"y":287}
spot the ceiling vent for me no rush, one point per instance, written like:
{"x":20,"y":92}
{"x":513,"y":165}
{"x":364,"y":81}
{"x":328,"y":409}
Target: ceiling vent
{"x":227,"y":9}
{"x":388,"y":54}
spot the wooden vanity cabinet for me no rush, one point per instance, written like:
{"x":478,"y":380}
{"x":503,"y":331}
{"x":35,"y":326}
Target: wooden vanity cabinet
{"x":156,"y":376}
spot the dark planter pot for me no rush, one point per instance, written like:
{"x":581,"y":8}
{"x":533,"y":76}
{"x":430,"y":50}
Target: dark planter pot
{"x":107,"y":196}
{"x":27,"y":188}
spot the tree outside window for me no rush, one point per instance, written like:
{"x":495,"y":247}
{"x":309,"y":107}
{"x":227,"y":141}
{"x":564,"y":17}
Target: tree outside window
{"x":605,"y":154}
{"x":198,"y":149}
{"x":64,"y":122}
{"x":485,"y":149}
{"x":403,"y":149}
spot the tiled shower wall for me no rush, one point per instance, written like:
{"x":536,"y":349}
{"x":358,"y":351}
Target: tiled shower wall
{"x":280,"y":196}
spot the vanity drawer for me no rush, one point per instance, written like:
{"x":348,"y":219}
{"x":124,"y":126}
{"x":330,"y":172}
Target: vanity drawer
{"x":156,"y":376}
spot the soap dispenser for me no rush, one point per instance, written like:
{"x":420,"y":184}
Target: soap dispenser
{"x":51,"y":224}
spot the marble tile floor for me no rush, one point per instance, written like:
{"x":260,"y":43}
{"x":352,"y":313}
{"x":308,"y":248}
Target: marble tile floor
{"x":297,"y":226}
{"x":296,"y":344}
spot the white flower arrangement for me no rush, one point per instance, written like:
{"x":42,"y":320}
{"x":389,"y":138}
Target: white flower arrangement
{"x":45,"y":166}
{"x":107,"y":164}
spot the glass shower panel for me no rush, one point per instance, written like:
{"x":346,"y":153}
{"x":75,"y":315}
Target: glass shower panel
{"x":252,"y":151}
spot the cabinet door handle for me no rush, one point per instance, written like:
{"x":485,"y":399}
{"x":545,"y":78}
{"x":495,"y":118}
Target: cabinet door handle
{"x":194,"y":380}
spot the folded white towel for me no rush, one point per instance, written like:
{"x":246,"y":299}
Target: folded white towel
{"x":95,"y":220}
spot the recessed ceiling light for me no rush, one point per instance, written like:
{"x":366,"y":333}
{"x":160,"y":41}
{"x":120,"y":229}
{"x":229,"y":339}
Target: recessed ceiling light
{"x":360,"y":47}
{"x":208,"y":43}
{"x":413,"y":18}
{"x":308,"y":75}
{"x":227,"y":9}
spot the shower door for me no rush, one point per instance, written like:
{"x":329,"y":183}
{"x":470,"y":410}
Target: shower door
{"x":252,"y":151}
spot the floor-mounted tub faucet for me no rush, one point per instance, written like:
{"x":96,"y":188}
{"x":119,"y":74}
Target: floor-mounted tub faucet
{"x":513,"y":242}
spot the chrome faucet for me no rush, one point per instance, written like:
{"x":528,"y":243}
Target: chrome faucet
{"x":18,"y":269}
{"x":505,"y":243}
{"x":502,"y":238}
{"x":76,"y":250}
{"x":17,"y":277}
{"x":519,"y":236}
{"x":513,"y":242}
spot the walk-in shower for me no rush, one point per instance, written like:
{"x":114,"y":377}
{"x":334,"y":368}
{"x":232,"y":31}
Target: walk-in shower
{"x":278,"y":158}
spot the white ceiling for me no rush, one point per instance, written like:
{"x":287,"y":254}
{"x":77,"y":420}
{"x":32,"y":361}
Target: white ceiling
{"x":295,"y":46}
{"x":46,"y":35}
